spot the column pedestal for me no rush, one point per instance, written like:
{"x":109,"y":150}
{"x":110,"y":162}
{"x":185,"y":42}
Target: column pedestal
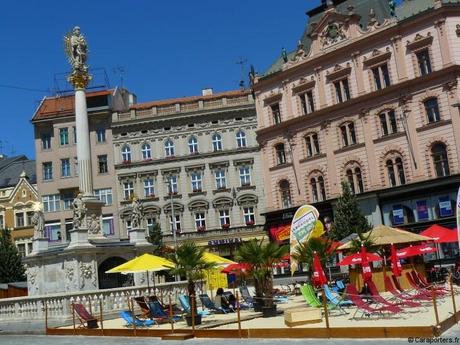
{"x":93,"y":219}
{"x":79,"y":239}
{"x":137,"y":237}
{"x":39,"y":245}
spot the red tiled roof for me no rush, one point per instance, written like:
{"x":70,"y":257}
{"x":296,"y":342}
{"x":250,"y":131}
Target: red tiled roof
{"x":191,"y":99}
{"x":62,"y":106}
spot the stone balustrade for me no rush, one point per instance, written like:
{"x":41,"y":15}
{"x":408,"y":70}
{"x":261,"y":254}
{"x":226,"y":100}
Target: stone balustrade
{"x":58,"y":306}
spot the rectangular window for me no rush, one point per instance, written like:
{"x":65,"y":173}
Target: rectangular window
{"x":64,"y":136}
{"x":128,"y":190}
{"x":173,"y":187}
{"x":104,"y":195}
{"x":102,"y":164}
{"x":432,"y":110}
{"x":65,"y":167}
{"x":200,"y":221}
{"x":248,"y":214}
{"x":51,"y":203}
{"x":29,"y":215}
{"x":196,"y":179}
{"x":312,"y":143}
{"x":53,"y":232}
{"x":67,"y":199}
{"x":19,"y":220}
{"x":151,"y":221}
{"x":424,"y":63}
{"x":276,"y":113}
{"x":245,"y":176}
{"x":307,"y":102}
{"x":348,"y":134}
{"x":149,"y":188}
{"x":107,"y":226}
{"x":21,"y":249}
{"x":342,"y":90}
{"x":100,"y":133}
{"x":221,"y":180}
{"x":46,"y":141}
{"x":381,"y":77}
{"x":47,"y":171}
{"x":176,"y":224}
{"x":224,"y":217}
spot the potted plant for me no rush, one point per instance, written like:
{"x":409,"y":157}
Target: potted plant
{"x":225,"y":226}
{"x":190,"y":263}
{"x":250,"y":223}
{"x":201,"y":228}
{"x":261,"y":255}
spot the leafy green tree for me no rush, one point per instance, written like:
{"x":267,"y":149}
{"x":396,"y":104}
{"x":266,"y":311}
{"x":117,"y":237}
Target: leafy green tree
{"x":11,"y":267}
{"x":190,"y":263}
{"x":261,"y":256}
{"x":348,"y":218}
{"x":155,"y":237}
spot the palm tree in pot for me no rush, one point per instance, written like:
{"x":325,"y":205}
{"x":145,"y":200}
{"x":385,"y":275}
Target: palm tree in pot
{"x":261,"y":257}
{"x":190,"y":263}
{"x":323,"y":246}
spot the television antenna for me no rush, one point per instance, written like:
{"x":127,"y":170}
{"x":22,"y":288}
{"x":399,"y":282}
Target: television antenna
{"x":242,"y":62}
{"x":120,"y":71}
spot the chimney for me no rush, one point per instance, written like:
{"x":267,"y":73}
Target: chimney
{"x":207,"y":91}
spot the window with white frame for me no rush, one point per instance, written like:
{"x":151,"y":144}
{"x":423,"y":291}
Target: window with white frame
{"x":102,"y":163}
{"x":248,"y":215}
{"x":108,"y":228}
{"x":64,"y":136}
{"x":388,"y":122}
{"x":126,"y":154}
{"x":312,"y":143}
{"x":19,"y":220}
{"x":146,"y":151}
{"x":245,"y":176}
{"x":51,"y":203}
{"x":216,"y":142}
{"x":105,"y":195}
{"x":169,"y":148}
{"x":128,"y":189}
{"x":173,"y":187}
{"x":285,"y":191}
{"x":128,"y":224}
{"x":65,"y":167}
{"x":149,"y":187}
{"x":193,"y":145}
{"x":381,"y":76}
{"x":151,"y":221}
{"x":221,"y":179}
{"x":240,"y":139}
{"x":100,"y":134}
{"x":196,"y":179}
{"x":47,"y":171}
{"x":200,"y":221}
{"x":342,"y":90}
{"x":224,"y":217}
{"x":432,"y":110}
{"x":176,"y":225}
{"x":46,"y":141}
{"x":348,"y":134}
{"x":67,"y":199}
{"x":424,"y":61}
{"x":29,"y":216}
{"x":307,"y":102}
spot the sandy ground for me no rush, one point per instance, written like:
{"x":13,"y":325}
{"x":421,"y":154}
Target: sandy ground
{"x":420,"y":316}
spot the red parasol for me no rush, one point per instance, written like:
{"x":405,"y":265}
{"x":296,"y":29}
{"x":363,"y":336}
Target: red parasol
{"x":440,"y":234}
{"x":319,"y":278}
{"x":236,"y":268}
{"x":367,"y":273}
{"x":356,"y":259}
{"x":415,"y":250}
{"x":395,"y":263}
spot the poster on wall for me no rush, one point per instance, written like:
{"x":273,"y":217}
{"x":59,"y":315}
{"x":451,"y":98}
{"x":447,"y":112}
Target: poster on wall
{"x":458,"y":214}
{"x":445,"y":207}
{"x":398,"y":215}
{"x":422,"y":210}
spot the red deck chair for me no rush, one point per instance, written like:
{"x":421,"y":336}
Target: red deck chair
{"x":367,"y":310}
{"x":380,"y":299}
{"x":84,"y":316}
{"x":418,"y":288}
{"x":409,"y":300}
{"x":424,"y":284}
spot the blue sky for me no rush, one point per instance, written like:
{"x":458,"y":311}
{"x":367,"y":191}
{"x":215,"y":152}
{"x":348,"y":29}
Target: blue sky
{"x":167,"y":48}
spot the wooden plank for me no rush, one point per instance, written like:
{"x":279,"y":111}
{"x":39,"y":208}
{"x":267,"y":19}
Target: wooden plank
{"x":177,"y":336}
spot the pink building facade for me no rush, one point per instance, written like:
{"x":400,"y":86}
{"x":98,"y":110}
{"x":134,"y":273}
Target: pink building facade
{"x":369,"y":96}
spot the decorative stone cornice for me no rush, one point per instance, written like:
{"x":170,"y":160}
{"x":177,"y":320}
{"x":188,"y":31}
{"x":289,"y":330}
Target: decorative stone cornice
{"x":338,"y":72}
{"x":420,"y":41}
{"x":376,"y":57}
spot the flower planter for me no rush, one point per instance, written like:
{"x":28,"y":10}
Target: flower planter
{"x":225,"y":226}
{"x":269,"y":311}
{"x":188,"y":319}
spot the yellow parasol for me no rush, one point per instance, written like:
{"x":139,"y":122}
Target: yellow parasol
{"x":216,"y":259}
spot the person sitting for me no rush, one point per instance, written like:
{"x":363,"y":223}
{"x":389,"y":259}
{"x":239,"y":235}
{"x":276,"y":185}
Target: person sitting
{"x":220,"y":301}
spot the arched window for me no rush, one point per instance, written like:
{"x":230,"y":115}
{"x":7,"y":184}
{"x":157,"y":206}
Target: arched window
{"x":280,"y":154}
{"x":400,"y":170}
{"x":432,"y":110}
{"x":388,"y":122}
{"x":395,"y":170}
{"x":146,"y":151}
{"x":240,"y":139}
{"x":355,"y":179}
{"x":285,"y":190}
{"x":169,"y":148}
{"x":440,"y":161}
{"x":391,"y":173}
{"x":216,"y":142}
{"x":126,"y":154}
{"x":312,"y":142}
{"x":318,"y":188}
{"x":193,"y":144}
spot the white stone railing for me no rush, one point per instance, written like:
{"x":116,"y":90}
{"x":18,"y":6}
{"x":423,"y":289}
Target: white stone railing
{"x":58,"y":306}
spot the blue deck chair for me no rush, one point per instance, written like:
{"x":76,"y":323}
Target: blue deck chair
{"x":158,"y":313}
{"x":128,"y":317}
{"x":185,"y":303}
{"x":338,"y":302}
{"x":206,"y":301}
{"x":340,"y":285}
{"x":246,"y":295}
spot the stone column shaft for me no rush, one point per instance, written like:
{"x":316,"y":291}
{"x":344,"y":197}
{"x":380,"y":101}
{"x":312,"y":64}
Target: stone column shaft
{"x":83,"y":143}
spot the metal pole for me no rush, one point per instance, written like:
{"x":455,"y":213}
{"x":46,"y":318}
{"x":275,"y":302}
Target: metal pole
{"x":238,"y":313}
{"x":173,"y":221}
{"x":453,"y":297}
{"x":192,"y":298}
{"x":325,"y":309}
{"x":101,"y":316}
{"x":435,"y":307}
{"x":46,"y":317}
{"x":73,"y":318}
{"x":134,"y":317}
{"x":171,"y":314}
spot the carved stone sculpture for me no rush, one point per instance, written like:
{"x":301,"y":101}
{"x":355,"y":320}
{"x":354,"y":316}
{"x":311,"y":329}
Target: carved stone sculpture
{"x":94,"y":225}
{"x":38,"y":221}
{"x":136,"y":214}
{"x":79,"y":211}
